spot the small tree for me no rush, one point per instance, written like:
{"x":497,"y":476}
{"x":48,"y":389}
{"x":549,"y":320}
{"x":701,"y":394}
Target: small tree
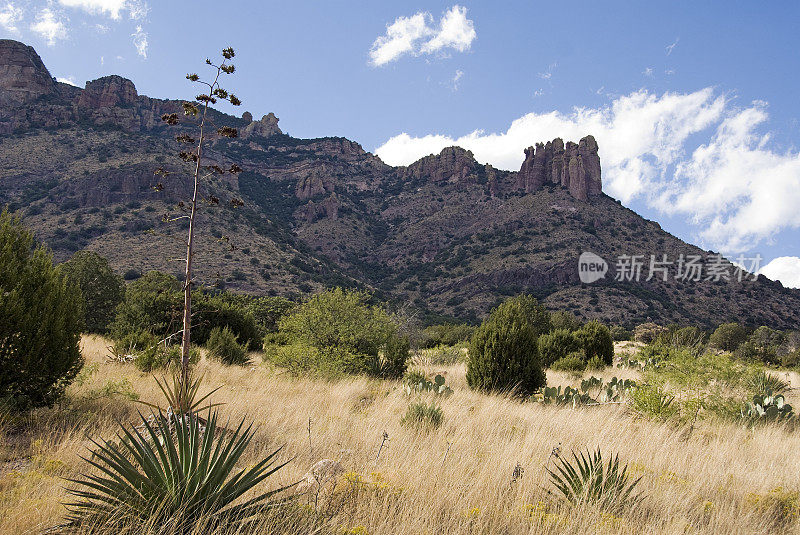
{"x":556,"y":345}
{"x":647,"y":333}
{"x":41,"y":318}
{"x":563,"y":319}
{"x":152,"y":304}
{"x":213,"y":91}
{"x":503,"y":354}
{"x":102,"y":289}
{"x":346,"y":330}
{"x":537,"y":315}
{"x":596,"y":341}
{"x":728,"y":336}
{"x":224,"y":346}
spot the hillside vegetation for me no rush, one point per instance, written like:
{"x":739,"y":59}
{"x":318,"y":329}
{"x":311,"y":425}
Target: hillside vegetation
{"x":723,"y":477}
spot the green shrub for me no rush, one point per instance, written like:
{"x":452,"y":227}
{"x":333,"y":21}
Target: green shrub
{"x":556,"y":345}
{"x":160,"y":357}
{"x":503,"y":355}
{"x":572,"y":363}
{"x":41,"y":317}
{"x":148,"y":352}
{"x":423,"y":416}
{"x":414,"y":377}
{"x":537,"y":315}
{"x":596,"y":341}
{"x":446,"y":334}
{"x":102,"y":289}
{"x":393,"y":361}
{"x":276,"y":339}
{"x":153,"y":303}
{"x":653,"y":402}
{"x":728,"y":337}
{"x":563,"y":319}
{"x":443,"y":355}
{"x":303,"y":360}
{"x":224,"y":346}
{"x":226,"y":310}
{"x":763,"y":345}
{"x":595,"y":363}
{"x":647,"y":332}
{"x":268,"y":311}
{"x":620,"y":333}
{"x":348,"y":332}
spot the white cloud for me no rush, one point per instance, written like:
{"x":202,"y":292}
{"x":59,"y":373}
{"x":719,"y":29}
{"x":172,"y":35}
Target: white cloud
{"x":137,"y":9}
{"x":455,"y":31}
{"x":549,"y":72}
{"x":734,"y":188}
{"x":101,"y":28}
{"x":785,"y":269}
{"x":456,"y":79}
{"x":671,"y":47}
{"x":10,"y":15}
{"x":111,"y":8}
{"x":67,"y":80}
{"x":140,"y":41}
{"x":416,"y":35}
{"x":49,"y":27}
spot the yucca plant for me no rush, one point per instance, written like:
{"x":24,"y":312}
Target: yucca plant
{"x":589,"y":481}
{"x":766,"y":384}
{"x":173,"y":472}
{"x":182,"y":394}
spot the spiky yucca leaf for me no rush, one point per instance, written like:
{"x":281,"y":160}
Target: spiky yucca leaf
{"x":589,"y":481}
{"x":172,"y":473}
{"x":182,"y":397}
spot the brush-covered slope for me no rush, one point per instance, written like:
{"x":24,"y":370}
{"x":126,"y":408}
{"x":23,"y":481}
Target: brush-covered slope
{"x":446,"y":233}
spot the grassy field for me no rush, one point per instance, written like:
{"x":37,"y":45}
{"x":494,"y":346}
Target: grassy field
{"x":720,"y":478}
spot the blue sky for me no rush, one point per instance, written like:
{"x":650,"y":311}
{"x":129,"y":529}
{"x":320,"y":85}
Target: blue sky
{"x":694,"y":105}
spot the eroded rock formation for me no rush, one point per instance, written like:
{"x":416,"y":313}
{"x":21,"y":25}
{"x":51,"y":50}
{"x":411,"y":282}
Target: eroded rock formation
{"x":575,"y":166}
{"x":266,"y":127}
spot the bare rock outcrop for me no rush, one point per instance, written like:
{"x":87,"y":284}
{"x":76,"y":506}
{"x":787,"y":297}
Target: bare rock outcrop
{"x":575,"y":166}
{"x":23,"y":76}
{"x":453,"y":164}
{"x":108,"y":92}
{"x":266,"y":127}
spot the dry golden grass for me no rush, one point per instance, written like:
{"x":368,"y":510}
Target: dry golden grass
{"x":457,"y":479}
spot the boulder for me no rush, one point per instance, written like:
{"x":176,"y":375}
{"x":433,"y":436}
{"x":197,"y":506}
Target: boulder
{"x":319,"y":477}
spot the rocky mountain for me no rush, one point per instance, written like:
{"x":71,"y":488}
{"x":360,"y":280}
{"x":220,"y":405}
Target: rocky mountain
{"x":446,"y":233}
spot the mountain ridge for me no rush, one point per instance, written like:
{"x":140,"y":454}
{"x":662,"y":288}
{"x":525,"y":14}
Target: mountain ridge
{"x":446,"y":233}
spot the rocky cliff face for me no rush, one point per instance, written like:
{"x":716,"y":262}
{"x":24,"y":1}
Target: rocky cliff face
{"x":108,"y":92}
{"x":576,"y":167}
{"x":23,"y":76}
{"x":453,"y":164}
{"x":266,"y":127}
